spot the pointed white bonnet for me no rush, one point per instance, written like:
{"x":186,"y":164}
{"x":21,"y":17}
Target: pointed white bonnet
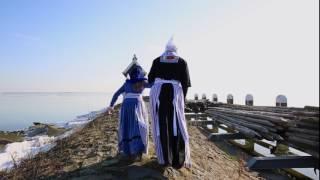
{"x":171,"y":48}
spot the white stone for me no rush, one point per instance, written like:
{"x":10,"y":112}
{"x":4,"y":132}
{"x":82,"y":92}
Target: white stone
{"x":204,"y":96}
{"x":281,"y":99}
{"x":249,"y":97}
{"x":229,"y":96}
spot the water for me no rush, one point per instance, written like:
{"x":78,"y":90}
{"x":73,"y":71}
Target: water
{"x":20,"y":110}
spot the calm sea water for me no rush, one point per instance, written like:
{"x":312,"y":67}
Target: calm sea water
{"x":20,"y":110}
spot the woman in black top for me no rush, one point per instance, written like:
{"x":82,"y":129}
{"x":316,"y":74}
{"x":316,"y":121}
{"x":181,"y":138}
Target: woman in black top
{"x":170,"y":67}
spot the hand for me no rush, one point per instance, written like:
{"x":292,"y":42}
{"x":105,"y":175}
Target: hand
{"x":109,"y":111}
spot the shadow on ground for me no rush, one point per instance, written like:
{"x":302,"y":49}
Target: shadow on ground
{"x":116,"y":168}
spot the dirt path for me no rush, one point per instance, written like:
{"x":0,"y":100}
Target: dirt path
{"x":91,"y":153}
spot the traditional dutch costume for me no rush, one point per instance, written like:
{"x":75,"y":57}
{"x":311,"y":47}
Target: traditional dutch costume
{"x":170,"y":78}
{"x":133,"y":118}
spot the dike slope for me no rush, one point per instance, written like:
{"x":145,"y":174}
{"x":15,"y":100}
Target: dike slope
{"x":91,"y":153}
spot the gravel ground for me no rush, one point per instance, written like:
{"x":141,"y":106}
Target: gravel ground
{"x":91,"y":153}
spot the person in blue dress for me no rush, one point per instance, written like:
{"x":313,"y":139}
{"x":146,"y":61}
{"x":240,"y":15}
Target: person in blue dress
{"x":133,"y":119}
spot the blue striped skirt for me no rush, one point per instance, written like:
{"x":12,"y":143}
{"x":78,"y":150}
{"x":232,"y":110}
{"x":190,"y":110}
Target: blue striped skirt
{"x":130,"y":142}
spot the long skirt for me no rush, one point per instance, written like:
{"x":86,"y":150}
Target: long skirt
{"x":130,"y":142}
{"x":173,"y":147}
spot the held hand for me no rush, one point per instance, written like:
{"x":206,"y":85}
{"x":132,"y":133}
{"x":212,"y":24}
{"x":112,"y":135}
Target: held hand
{"x":109,"y":111}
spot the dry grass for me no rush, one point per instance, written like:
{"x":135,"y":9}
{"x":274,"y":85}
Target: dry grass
{"x":99,"y":139}
{"x":11,"y":137}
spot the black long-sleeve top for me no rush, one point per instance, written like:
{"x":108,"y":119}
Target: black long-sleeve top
{"x":171,"y":71}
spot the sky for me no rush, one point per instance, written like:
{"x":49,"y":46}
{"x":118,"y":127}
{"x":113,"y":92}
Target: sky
{"x":264,"y":48}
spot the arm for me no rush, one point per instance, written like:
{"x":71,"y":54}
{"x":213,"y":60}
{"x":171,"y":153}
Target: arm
{"x":116,"y":95}
{"x":186,"y":83}
{"x":152,"y":73}
{"x":185,"y":91}
{"x":147,"y":84}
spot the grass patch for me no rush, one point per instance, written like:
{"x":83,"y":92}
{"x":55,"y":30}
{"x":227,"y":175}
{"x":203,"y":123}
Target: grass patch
{"x":55,"y":131}
{"x":11,"y":137}
{"x":1,"y":147}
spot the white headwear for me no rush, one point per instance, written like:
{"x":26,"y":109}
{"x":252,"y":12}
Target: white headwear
{"x":171,"y":49}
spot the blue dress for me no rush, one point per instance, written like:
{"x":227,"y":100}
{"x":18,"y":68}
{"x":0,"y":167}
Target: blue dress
{"x":129,"y":141}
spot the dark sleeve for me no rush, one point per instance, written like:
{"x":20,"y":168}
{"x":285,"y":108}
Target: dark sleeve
{"x":147,"y":84}
{"x":116,"y":95}
{"x":185,"y":79}
{"x":152,"y":72}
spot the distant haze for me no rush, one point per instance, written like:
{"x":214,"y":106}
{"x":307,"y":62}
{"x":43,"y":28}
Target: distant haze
{"x":264,"y":48}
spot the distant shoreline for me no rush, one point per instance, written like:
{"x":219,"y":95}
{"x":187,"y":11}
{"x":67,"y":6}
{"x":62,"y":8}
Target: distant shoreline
{"x":39,"y":136}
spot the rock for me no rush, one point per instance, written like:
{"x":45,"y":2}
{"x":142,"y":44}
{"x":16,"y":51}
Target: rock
{"x":101,"y":154}
{"x":90,"y":153}
{"x":70,"y":168}
{"x":46,"y":129}
{"x":110,"y":162}
{"x":37,"y":130}
{"x":171,"y":172}
{"x":36,"y":123}
{"x":77,"y":159}
{"x":91,"y":161}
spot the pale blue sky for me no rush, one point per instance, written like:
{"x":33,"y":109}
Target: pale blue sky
{"x":239,"y":46}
